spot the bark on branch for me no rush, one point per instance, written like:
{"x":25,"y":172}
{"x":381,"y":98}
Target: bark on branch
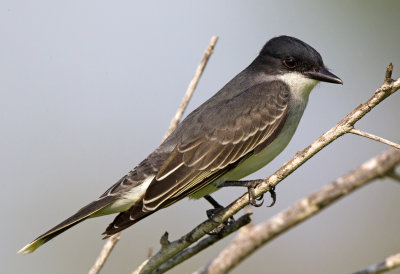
{"x":203,"y":244}
{"x":388,"y":264}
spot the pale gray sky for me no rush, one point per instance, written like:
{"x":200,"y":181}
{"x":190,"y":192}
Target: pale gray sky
{"x":88,"y":89}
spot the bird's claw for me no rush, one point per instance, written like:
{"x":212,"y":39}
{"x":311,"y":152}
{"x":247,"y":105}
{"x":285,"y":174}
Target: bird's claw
{"x":273,"y":195}
{"x":253,"y":200}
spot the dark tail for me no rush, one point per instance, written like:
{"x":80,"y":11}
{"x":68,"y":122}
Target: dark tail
{"x":78,"y":217}
{"x":126,"y":219}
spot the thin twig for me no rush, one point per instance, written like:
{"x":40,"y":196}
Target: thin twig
{"x":140,"y":267}
{"x":389,"y":263}
{"x":300,"y":158}
{"x":105,"y":252}
{"x":388,"y":74}
{"x":112,"y":241}
{"x":247,"y":243}
{"x":149,"y":252}
{"x":192,"y":86}
{"x":374,"y":137}
{"x":201,"y":245}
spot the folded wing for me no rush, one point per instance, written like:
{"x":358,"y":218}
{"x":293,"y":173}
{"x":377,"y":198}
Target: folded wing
{"x":216,"y":140}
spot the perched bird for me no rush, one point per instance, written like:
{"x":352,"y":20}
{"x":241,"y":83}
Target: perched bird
{"x":234,"y":133}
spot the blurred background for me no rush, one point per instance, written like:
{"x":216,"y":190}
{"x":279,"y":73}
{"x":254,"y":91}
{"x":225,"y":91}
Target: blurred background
{"x":88,"y":89}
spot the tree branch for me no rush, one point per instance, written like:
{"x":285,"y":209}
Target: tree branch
{"x":105,"y":252}
{"x":389,"y":263}
{"x":247,"y":243}
{"x":192,"y":86}
{"x":343,"y":127}
{"x":112,"y":241}
{"x":374,"y":137}
{"x":203,"y":244}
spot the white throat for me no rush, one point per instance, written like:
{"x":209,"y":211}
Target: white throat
{"x":299,"y":84}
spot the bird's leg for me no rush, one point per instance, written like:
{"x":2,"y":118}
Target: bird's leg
{"x":251,"y":185}
{"x":215,"y":210}
{"x":212,"y":201}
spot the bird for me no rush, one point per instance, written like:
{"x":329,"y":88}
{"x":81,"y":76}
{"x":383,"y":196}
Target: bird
{"x":237,"y":131}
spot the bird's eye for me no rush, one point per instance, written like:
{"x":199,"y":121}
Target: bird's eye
{"x":290,"y":62}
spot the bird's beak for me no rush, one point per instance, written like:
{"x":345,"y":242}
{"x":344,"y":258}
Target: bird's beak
{"x":324,"y":75}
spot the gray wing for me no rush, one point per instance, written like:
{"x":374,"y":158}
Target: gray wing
{"x":216,"y":138}
{"x":147,"y":168}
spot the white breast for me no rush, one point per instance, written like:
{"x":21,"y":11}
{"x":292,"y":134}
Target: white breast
{"x":300,"y":88}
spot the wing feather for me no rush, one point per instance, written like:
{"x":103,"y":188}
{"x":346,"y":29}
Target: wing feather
{"x":220,"y":160}
{"x":174,"y":161}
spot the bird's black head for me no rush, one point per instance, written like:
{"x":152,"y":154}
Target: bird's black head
{"x":285,"y":54}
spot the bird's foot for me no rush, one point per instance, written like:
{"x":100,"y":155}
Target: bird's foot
{"x":251,"y":185}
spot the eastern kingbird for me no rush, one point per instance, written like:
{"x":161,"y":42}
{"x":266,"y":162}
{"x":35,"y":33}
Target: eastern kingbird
{"x":234,"y":133}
